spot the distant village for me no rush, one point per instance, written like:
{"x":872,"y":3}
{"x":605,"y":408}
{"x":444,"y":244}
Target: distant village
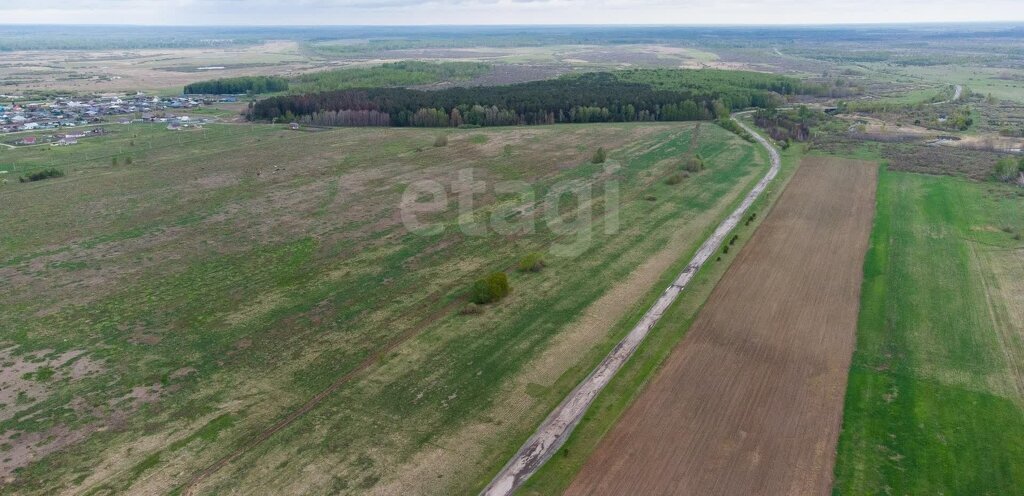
{"x":64,"y":113}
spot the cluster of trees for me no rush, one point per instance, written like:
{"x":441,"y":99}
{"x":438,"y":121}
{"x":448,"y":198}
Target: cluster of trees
{"x":596,"y":97}
{"x":234,"y":86}
{"x":353,"y":118}
{"x":737,"y":89}
{"x":786,"y":126}
{"x":960,"y":119}
{"x":41,"y":175}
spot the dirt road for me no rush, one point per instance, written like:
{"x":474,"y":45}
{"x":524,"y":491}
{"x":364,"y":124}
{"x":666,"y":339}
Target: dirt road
{"x":751,"y":401}
{"x":958,"y":91}
{"x":553,"y":432}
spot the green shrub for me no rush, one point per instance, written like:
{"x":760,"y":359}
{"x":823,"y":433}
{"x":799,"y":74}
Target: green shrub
{"x":731,"y":126}
{"x":441,"y":141}
{"x":471,"y":309}
{"x":693,"y":164}
{"x":674,"y":179}
{"x":533,"y":262}
{"x":40,"y":175}
{"x":1008,"y":169}
{"x":490,"y":289}
{"x":599,"y":156}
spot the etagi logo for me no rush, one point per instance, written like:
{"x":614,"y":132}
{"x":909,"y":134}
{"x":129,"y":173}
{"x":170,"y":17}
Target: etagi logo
{"x":566,"y":209}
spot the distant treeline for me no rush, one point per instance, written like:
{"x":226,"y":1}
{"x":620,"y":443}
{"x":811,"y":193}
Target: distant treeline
{"x":594,"y":97}
{"x":38,"y":37}
{"x":742,"y":88}
{"x":408,"y":73}
{"x":233,"y":86}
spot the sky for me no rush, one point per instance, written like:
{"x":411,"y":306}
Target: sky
{"x":483,"y":12}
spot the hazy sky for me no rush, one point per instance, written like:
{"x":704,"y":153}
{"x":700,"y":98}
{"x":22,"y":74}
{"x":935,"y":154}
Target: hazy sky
{"x":409,"y":12}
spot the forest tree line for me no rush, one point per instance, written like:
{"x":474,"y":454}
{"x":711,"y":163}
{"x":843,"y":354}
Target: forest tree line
{"x":595,"y":97}
{"x":239,"y":85}
{"x":406,"y":73}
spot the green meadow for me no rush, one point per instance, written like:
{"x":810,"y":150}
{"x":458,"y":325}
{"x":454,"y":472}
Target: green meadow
{"x":935,"y":403}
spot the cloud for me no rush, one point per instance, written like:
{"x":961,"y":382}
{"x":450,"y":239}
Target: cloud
{"x":341,"y":12}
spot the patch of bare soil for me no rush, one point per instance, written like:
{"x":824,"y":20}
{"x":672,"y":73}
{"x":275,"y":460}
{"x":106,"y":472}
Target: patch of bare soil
{"x":21,"y":448}
{"x":27,"y":379}
{"x":751,"y":401}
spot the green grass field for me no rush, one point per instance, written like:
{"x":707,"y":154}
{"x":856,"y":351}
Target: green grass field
{"x":935,"y":403}
{"x":159,"y":315}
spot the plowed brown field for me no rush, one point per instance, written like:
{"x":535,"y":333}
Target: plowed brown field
{"x":751,"y":401}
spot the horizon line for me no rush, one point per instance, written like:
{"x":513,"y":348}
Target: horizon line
{"x":1011,"y":23}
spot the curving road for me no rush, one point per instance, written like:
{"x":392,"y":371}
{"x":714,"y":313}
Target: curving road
{"x":553,"y":432}
{"x":958,"y":91}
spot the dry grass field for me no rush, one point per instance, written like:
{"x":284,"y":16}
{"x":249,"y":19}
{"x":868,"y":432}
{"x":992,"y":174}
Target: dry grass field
{"x":751,"y":401}
{"x":165,"y":70}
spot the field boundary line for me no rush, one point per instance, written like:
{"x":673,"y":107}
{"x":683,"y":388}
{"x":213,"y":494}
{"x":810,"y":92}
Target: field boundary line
{"x":556,"y":428}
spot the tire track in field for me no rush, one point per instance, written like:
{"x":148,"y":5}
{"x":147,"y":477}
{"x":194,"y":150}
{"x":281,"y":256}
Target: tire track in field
{"x":554,"y":431}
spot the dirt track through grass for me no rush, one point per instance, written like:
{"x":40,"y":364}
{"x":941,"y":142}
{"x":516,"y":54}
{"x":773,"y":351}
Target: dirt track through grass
{"x":751,"y":402}
{"x":554,"y":431}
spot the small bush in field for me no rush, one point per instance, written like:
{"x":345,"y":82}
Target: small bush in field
{"x":599,"y":156}
{"x":693,"y":164}
{"x":533,"y":262}
{"x":674,"y":179}
{"x":471,"y":309}
{"x":490,"y":289}
{"x":441,"y":141}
